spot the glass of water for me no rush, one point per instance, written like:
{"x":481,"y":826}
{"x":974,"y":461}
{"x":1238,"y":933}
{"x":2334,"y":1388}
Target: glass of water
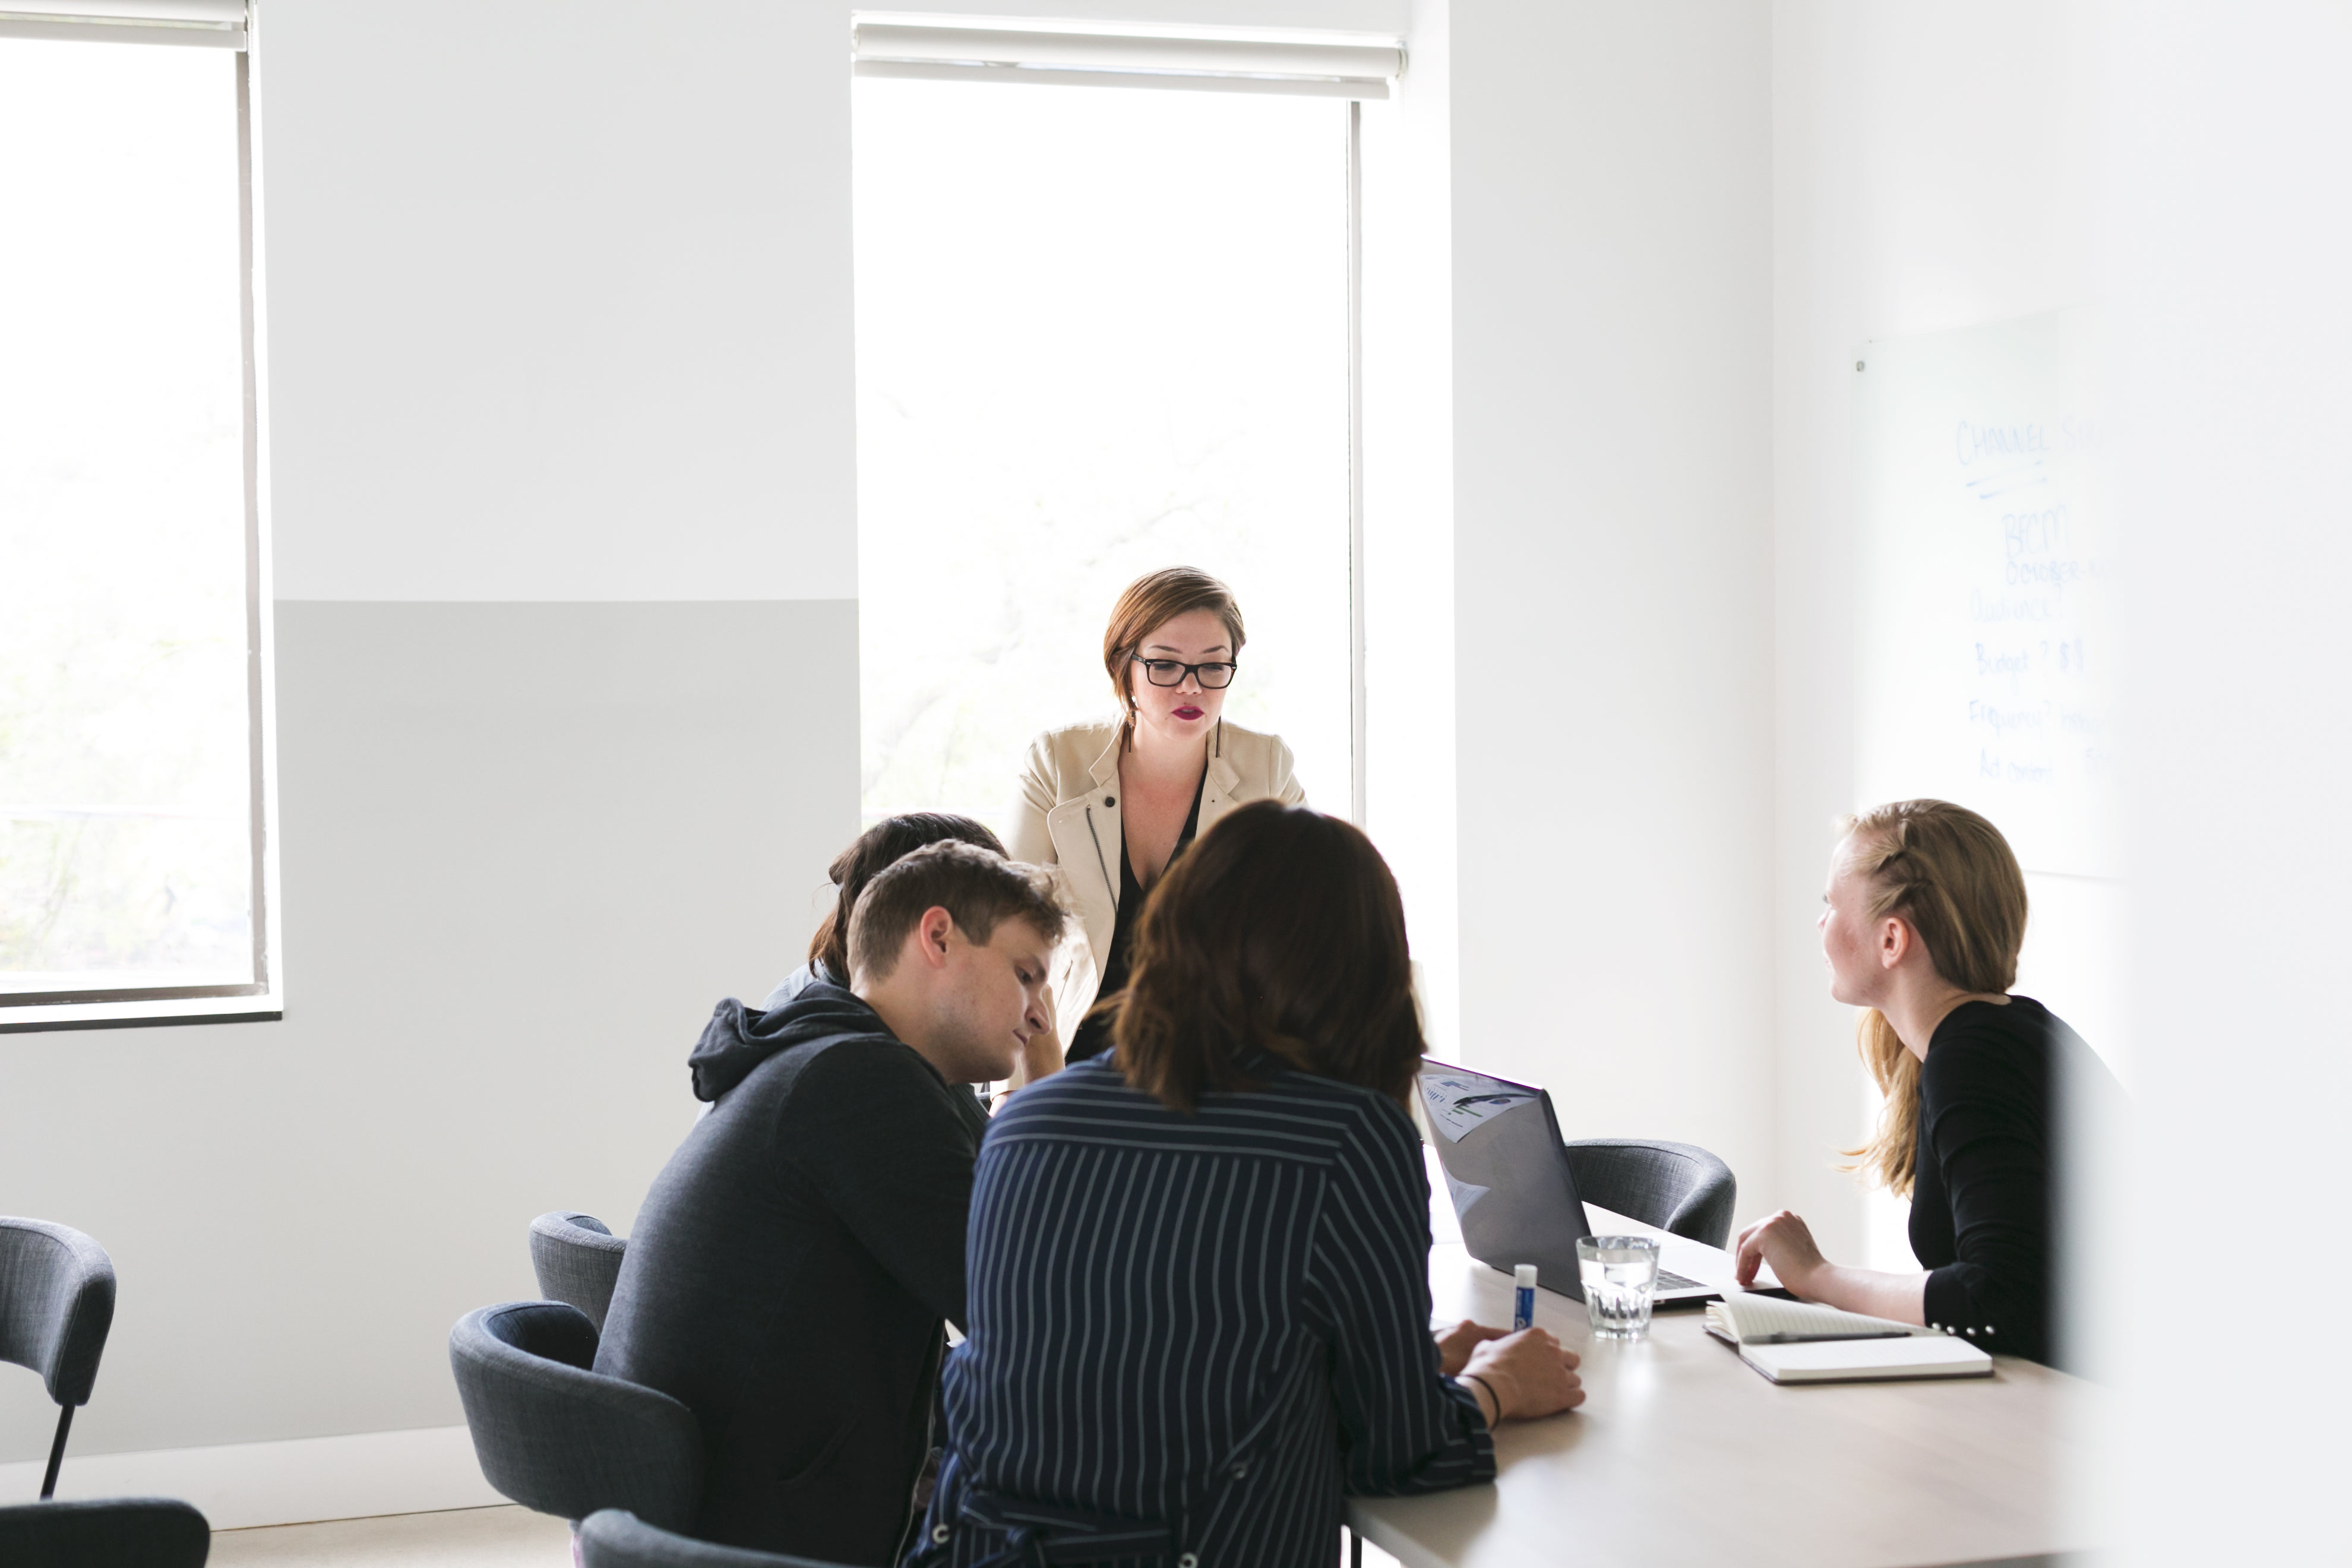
{"x":1619,"y":1273}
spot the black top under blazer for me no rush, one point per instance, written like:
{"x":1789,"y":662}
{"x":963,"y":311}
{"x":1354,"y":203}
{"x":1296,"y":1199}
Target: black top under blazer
{"x":1193,"y":1334}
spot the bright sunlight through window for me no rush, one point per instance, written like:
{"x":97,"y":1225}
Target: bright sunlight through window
{"x":127,"y":769}
{"x":1099,"y":332}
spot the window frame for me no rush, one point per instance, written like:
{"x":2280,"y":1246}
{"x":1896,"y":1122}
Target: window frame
{"x":1354,"y":91}
{"x":260,"y":999}
{"x":1306,"y":62}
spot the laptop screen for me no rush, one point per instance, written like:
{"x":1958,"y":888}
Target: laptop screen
{"x":1499,"y":1145}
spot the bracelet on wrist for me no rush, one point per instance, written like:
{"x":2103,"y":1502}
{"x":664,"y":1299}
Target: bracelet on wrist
{"x":1474,"y":1377}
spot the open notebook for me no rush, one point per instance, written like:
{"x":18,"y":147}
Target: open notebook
{"x":1800,"y":1342}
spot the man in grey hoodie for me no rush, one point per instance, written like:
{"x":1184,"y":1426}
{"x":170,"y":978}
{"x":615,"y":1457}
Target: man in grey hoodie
{"x":789,"y":1273}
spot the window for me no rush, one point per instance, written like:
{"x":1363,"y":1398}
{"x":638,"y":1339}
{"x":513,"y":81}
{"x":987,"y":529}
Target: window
{"x":1100,"y":330}
{"x":133,"y":858}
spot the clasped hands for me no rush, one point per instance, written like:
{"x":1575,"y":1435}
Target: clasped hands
{"x":1527,"y":1373}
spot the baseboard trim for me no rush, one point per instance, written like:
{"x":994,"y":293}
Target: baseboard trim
{"x":293,"y":1482}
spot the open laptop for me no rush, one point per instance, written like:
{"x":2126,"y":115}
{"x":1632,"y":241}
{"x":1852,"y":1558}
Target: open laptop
{"x":1500,"y":1147}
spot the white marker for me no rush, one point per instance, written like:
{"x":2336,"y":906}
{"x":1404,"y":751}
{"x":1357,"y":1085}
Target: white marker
{"x":1523,"y":1309}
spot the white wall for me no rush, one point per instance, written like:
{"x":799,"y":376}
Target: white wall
{"x":2231,"y":242}
{"x":559,"y":300}
{"x":1408,"y":559}
{"x":1933,"y":168}
{"x":561,"y":460}
{"x":518,"y":415}
{"x":2179,"y":167}
{"x":561,"y":477}
{"x":1611,"y":169}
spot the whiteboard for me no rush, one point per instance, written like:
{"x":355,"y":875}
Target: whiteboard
{"x":1987,"y":634}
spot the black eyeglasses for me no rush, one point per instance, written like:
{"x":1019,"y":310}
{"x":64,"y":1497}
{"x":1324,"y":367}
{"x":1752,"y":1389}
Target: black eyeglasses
{"x":1171,"y":672}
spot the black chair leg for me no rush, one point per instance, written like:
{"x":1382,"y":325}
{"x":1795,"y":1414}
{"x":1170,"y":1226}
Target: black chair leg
{"x":56,"y":1451}
{"x":1355,"y":1549}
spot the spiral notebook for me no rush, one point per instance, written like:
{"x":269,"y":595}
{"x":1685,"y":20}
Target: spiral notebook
{"x":1802,"y":1341}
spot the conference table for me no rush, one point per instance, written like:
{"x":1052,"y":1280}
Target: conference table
{"x":1682,"y":1454}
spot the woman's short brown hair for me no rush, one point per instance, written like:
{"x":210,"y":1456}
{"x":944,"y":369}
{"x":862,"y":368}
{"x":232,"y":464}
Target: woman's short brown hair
{"x":1150,"y":602}
{"x":1280,"y":930}
{"x":882,"y":845}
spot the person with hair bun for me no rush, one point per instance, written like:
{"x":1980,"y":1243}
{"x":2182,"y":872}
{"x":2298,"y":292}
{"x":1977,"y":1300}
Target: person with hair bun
{"x":1198,"y":1264}
{"x":874,"y":851}
{"x":1922,"y":924}
{"x":882,"y":845}
{"x":793,"y":1269}
{"x":1114,"y":801}
{"x":870,"y":854}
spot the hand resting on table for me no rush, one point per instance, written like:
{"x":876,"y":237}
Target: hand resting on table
{"x":1513,"y":1377}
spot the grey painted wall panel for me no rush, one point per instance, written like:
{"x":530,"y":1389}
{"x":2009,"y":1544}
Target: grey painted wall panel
{"x":526,"y":847}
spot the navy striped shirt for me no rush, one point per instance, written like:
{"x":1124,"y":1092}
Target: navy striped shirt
{"x":1213,"y":1325}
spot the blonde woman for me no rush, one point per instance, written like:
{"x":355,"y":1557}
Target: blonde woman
{"x":1922,"y":924}
{"x":1113,"y":802}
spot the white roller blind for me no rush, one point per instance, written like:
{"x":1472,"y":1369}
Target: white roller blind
{"x":213,"y":24}
{"x":1349,"y":68}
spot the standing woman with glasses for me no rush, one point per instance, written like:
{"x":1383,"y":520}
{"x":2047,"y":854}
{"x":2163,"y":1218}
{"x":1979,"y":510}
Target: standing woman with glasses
{"x":1113,"y":802}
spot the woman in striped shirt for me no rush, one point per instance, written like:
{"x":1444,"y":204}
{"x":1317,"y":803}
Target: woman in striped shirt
{"x":1199,"y":1297}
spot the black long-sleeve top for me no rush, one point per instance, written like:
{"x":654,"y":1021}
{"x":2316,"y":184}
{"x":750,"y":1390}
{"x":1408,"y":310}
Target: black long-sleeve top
{"x":1194,"y":1333}
{"x":1987,"y":1199}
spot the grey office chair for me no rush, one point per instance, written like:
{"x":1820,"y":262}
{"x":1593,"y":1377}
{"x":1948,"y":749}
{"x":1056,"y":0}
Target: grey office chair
{"x":118,"y":1533}
{"x":577,"y":1260}
{"x":56,"y":1302}
{"x":557,"y":1436}
{"x":616,"y":1539}
{"x":1679,"y":1188}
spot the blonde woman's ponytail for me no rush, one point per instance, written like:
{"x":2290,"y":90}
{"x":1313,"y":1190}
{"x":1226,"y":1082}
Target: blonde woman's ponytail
{"x":1891,"y":1157}
{"x":1952,"y":876}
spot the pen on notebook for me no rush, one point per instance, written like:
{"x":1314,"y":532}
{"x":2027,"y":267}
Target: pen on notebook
{"x":1523,"y":1304}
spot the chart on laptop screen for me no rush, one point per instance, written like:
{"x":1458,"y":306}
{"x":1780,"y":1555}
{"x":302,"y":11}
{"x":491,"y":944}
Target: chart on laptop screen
{"x":1459,"y":1101}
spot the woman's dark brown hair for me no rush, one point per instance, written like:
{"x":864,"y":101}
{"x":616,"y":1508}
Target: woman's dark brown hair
{"x":1148,"y":603}
{"x":880,"y":846}
{"x":1280,"y":930}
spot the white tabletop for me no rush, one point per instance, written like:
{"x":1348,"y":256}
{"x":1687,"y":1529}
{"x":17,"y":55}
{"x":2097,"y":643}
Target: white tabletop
{"x":1683,"y":1454}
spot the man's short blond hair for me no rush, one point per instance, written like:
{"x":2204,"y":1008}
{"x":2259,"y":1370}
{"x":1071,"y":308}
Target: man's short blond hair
{"x":979,"y":890}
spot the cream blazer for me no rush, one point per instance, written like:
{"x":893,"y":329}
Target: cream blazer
{"x":1068,"y":815}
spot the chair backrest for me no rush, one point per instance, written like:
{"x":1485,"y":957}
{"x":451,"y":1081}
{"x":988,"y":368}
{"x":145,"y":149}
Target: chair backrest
{"x":1679,"y":1188}
{"x":115,"y":1532}
{"x":577,"y":1260}
{"x":616,"y":1539}
{"x":555,"y":1435}
{"x":57,"y":1303}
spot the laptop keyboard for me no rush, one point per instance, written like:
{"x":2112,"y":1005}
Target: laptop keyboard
{"x":1670,"y":1280}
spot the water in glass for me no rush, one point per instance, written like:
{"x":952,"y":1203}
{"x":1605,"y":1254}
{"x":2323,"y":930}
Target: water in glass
{"x":1620,"y":1273}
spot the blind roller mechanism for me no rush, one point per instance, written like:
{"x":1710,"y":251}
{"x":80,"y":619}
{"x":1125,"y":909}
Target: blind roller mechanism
{"x":1354,"y":68}
{"x":207,"y":24}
